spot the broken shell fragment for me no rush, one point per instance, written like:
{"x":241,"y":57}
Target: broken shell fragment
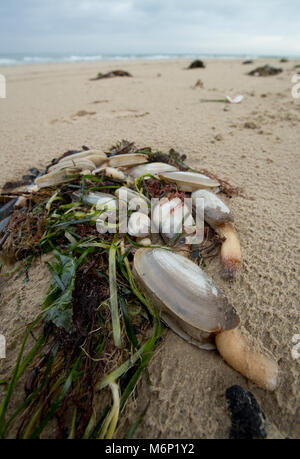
{"x":139,"y":225}
{"x":127,"y":160}
{"x":183,"y":293}
{"x":151,"y":168}
{"x":230,"y":250}
{"x":215,"y":210}
{"x":189,"y":181}
{"x":237,"y":352}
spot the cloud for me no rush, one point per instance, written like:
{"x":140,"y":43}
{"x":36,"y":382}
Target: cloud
{"x":150,"y":26}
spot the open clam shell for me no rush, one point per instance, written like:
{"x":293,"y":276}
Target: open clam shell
{"x":151,"y":168}
{"x":189,"y":181}
{"x":127,"y":160}
{"x":183,"y":293}
{"x":215,"y":210}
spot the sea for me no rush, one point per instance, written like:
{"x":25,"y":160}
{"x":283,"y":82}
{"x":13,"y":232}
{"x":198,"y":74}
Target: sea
{"x":28,"y":58}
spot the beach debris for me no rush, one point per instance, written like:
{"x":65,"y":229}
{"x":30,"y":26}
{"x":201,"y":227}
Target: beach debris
{"x":283,"y":60}
{"x":99,"y":321}
{"x":247,"y":418}
{"x":227,"y":100}
{"x":196,"y":310}
{"x":250,"y":125}
{"x":189,"y":181}
{"x":198,"y":84}
{"x":235,"y":100}
{"x":265,"y":70}
{"x":112,"y":74}
{"x":196,"y":64}
{"x":247,"y":62}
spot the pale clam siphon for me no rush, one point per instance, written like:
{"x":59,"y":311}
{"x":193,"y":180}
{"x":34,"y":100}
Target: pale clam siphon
{"x":151,"y":168}
{"x":197,"y":311}
{"x":189,"y":181}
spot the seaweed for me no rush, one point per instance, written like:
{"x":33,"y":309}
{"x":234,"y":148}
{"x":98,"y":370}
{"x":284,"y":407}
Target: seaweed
{"x":97,"y":332}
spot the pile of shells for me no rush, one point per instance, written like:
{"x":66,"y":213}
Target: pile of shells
{"x":188,"y":301}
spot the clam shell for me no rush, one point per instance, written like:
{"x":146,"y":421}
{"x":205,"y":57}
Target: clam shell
{"x":171,"y":217}
{"x":151,"y":168}
{"x":56,"y":177}
{"x":182,"y":291}
{"x":80,"y":163}
{"x":85,"y":154}
{"x":189,"y":181}
{"x":215,"y":210}
{"x":127,"y":160}
{"x":139,"y":225}
{"x":133,"y":198}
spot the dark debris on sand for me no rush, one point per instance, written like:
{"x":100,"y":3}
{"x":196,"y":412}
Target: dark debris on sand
{"x":197,"y":64}
{"x":112,"y":74}
{"x":265,"y":70}
{"x":247,"y":418}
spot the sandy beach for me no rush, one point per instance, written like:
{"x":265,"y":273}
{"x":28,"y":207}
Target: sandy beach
{"x":52,"y":108}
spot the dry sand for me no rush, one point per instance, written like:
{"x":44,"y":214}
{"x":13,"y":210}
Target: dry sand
{"x":158,"y":107}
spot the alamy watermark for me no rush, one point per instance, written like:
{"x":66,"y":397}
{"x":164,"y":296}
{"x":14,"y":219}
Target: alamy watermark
{"x":139,"y":217}
{"x":2,"y":87}
{"x":296,"y":88}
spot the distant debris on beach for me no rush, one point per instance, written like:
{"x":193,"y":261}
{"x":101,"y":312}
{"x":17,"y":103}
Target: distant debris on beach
{"x":284,"y":60}
{"x":114,"y":73}
{"x":197,"y":64}
{"x":265,"y":70}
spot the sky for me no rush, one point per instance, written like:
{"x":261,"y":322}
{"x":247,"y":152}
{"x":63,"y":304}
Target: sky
{"x":150,"y":26}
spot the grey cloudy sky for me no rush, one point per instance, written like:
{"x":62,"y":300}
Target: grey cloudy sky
{"x":150,"y":26}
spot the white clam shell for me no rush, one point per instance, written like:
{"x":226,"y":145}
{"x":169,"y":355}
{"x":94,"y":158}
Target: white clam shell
{"x":126,"y":160}
{"x":151,"y":168}
{"x":139,"y":224}
{"x":189,"y":181}
{"x":171,"y":217}
{"x":215,"y":210}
